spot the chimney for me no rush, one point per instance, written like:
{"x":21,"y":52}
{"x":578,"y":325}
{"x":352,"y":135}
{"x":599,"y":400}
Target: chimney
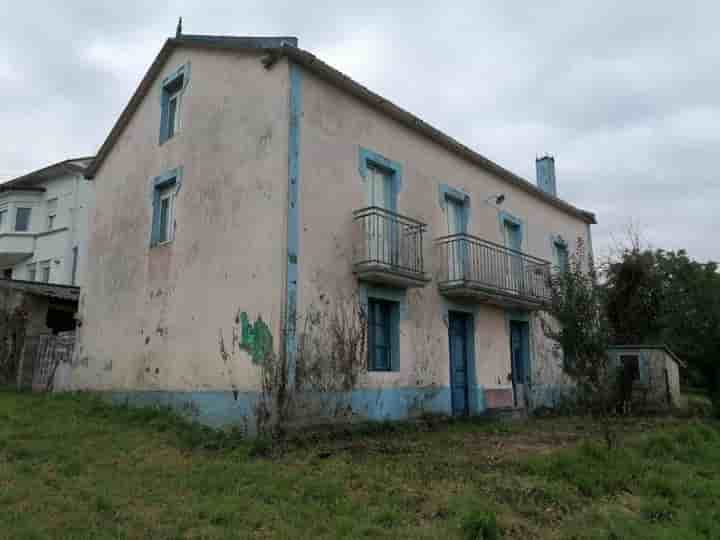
{"x":545,"y":167}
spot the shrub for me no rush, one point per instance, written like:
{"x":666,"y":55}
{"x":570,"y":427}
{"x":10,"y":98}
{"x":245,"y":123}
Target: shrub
{"x":480,"y":525}
{"x":716,"y":405}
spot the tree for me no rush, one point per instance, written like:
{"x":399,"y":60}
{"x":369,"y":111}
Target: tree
{"x":690,"y":317}
{"x":576,"y":320}
{"x":634,"y":297}
{"x":657,"y":296}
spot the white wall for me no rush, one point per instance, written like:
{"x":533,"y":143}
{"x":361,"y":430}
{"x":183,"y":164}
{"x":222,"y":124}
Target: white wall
{"x":74,"y":196}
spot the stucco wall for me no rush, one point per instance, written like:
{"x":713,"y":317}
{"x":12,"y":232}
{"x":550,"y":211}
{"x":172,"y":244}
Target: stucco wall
{"x":334,"y":128}
{"x":153,"y":318}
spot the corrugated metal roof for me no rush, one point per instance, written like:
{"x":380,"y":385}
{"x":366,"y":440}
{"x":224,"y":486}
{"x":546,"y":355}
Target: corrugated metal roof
{"x":62,"y":292}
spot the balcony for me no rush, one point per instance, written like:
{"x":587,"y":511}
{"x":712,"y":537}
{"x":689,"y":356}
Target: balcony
{"x":476,"y":270}
{"x":14,"y":247}
{"x":390,"y":248}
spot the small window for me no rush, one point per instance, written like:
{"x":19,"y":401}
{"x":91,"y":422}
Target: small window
{"x":45,"y":272}
{"x":164,"y":212}
{"x":32,"y":272}
{"x":51,"y":213}
{"x":383,"y":335}
{"x":7,"y":273}
{"x":166,"y":207}
{"x":171,"y":101}
{"x":172,"y":114}
{"x":22,"y":219}
{"x":3,"y":217}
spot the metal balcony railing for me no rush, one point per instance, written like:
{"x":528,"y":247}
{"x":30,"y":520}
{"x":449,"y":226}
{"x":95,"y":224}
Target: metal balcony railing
{"x":474,"y":263}
{"x":390,"y":241}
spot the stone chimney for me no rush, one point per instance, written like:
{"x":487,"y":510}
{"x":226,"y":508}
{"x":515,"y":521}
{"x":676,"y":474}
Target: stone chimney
{"x":545,"y":167}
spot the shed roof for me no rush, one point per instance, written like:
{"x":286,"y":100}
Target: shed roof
{"x":277,"y":47}
{"x":61,"y":292}
{"x":660,"y":347}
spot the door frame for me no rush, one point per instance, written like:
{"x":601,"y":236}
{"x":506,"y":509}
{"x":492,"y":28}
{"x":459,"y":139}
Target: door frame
{"x":470,"y":378}
{"x":524,"y":318}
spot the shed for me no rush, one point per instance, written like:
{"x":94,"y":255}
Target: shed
{"x":649,"y":374}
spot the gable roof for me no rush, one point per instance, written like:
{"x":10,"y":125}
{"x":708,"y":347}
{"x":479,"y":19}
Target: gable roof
{"x":279,"y":47}
{"x":29,"y":181}
{"x":661,"y":347}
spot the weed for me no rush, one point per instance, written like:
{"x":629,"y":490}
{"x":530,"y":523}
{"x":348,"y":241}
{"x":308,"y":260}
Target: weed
{"x":479,"y":525}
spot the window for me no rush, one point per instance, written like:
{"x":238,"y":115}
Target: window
{"x":45,"y":272}
{"x":22,"y":219}
{"x":163,"y":224}
{"x":74,"y":264}
{"x":51,"y":213}
{"x":3,"y":217}
{"x":32,"y":272}
{"x":171,"y":100}
{"x":383,"y":335}
{"x":382,"y":178}
{"x":7,"y":273}
{"x":563,"y":259}
{"x":631,"y":366}
{"x":166,"y":214}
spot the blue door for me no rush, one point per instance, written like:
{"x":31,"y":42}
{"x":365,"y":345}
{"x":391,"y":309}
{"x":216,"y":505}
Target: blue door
{"x":459,"y":330}
{"x":519,"y":357}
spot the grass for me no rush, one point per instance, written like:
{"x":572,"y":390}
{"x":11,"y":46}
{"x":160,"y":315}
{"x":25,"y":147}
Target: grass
{"x":73,"y":467}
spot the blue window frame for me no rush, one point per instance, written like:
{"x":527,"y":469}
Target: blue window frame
{"x":561,"y":253}
{"x":372,"y":163}
{"x":173,"y":87}
{"x":383,"y":335}
{"x":512,"y":230}
{"x":563,"y":259}
{"x":165,"y":189}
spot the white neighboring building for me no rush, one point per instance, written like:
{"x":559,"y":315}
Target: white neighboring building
{"x":44,"y":224}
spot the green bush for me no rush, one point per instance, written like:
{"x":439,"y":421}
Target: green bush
{"x":716,"y":405}
{"x":479,"y":525}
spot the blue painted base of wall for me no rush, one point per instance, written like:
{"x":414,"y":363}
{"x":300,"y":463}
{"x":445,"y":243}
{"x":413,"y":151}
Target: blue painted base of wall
{"x":222,"y":409}
{"x":549,"y":395}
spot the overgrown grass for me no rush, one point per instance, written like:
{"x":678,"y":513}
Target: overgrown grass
{"x":73,"y":467}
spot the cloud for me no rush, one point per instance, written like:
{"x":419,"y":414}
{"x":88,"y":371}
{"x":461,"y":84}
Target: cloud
{"x":625,"y":95}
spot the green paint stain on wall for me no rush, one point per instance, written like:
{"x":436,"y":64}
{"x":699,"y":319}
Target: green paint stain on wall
{"x":256,"y":338}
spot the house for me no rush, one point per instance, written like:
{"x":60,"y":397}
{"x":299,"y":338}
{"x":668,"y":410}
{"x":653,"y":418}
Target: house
{"x":250,"y":190}
{"x":43,"y":231}
{"x":649,"y":375}
{"x":43,"y":224}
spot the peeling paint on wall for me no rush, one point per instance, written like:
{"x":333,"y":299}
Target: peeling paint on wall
{"x":256,"y":338}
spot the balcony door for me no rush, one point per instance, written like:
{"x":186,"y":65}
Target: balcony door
{"x":457,"y":249}
{"x":383,"y":230}
{"x":513,"y":240}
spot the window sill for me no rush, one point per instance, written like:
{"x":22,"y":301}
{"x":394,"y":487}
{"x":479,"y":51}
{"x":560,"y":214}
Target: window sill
{"x":169,"y":139}
{"x":52,"y":231}
{"x":162,"y":244}
{"x":17,"y":233}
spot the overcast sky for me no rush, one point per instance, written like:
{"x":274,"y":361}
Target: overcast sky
{"x":625,"y":95}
